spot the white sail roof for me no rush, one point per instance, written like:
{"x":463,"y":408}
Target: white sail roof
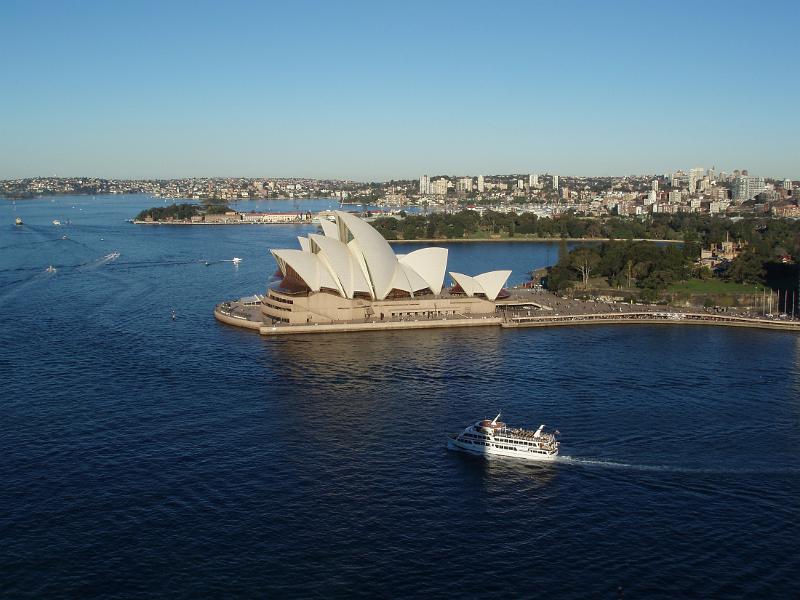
{"x":352,"y":257}
{"x":468,"y":284}
{"x":375,"y":250}
{"x":430,"y":264}
{"x":342,"y":264}
{"x":489,"y":284}
{"x":308,"y":267}
{"x":329,"y":228}
{"x":492,"y":282}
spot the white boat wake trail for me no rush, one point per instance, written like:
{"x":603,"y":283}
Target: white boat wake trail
{"x":608,"y":464}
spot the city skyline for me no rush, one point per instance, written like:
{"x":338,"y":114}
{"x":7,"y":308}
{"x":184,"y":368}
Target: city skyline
{"x":373,"y":94}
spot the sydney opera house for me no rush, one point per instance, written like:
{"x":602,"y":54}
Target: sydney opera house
{"x":349,"y":272}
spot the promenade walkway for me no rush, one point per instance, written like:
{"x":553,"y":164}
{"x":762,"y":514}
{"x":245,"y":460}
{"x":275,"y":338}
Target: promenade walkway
{"x":650,"y":317}
{"x":547,"y":310}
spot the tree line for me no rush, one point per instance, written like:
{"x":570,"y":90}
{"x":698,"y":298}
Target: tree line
{"x":767,"y":241}
{"x":181,"y":212}
{"x":643,"y":265}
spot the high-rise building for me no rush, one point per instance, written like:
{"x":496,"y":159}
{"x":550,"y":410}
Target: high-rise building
{"x":533,"y":181}
{"x":747,"y":187}
{"x":520,"y":184}
{"x":675,"y":197}
{"x":555,"y":182}
{"x":651,"y":197}
{"x":695,"y":175}
{"x":424,"y":185}
{"x":439,"y":186}
{"x":787,"y":184}
{"x":481,"y":185}
{"x":654,"y":185}
{"x":464,"y":184}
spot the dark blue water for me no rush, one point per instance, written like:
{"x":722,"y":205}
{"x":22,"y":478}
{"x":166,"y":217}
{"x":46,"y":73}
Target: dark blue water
{"x":146,"y":457}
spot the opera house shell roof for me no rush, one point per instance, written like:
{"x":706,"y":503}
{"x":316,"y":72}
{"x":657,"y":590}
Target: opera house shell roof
{"x":353,"y":260}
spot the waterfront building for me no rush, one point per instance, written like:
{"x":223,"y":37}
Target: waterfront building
{"x":272,"y":217}
{"x":350,"y":273}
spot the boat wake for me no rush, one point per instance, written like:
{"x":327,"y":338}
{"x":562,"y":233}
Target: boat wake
{"x":610,"y":464}
{"x":98,"y":262}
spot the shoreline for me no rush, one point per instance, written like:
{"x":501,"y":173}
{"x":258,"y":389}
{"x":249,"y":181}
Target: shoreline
{"x":519,"y":322}
{"x":183,"y":223}
{"x":516,"y":240}
{"x":527,"y":240}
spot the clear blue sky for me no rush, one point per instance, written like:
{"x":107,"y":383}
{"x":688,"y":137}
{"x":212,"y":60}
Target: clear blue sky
{"x":378,"y":90}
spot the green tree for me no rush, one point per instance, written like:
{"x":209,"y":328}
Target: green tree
{"x":584,"y":261}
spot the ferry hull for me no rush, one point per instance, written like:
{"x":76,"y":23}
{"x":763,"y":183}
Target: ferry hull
{"x":453,"y":444}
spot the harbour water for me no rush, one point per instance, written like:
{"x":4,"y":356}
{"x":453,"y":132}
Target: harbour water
{"x":146,"y":456}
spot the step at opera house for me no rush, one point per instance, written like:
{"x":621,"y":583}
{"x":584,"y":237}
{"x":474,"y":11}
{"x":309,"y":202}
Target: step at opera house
{"x":350,"y":273}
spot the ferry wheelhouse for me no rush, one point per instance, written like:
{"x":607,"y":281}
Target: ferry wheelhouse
{"x":498,"y":439}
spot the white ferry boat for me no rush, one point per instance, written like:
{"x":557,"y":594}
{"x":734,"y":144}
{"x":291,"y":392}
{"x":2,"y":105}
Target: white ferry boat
{"x":495,"y":438}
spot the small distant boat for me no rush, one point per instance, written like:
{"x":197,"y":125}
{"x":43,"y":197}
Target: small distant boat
{"x":56,"y":222}
{"x":64,"y":237}
{"x":236,"y":260}
{"x":18,"y":221}
{"x":50,"y":269}
{"x":494,"y":438}
{"x":112,"y":256}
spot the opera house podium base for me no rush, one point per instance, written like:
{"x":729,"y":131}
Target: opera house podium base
{"x":316,"y":315}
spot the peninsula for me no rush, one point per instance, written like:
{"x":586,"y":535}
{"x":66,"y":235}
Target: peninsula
{"x":348,"y":279}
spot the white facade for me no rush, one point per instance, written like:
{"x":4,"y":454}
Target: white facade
{"x":555,"y":182}
{"x":747,"y":187}
{"x":424,"y":185}
{"x":481,"y":187}
{"x":439,"y":187}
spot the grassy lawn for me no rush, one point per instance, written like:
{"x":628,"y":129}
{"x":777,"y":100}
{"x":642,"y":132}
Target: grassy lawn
{"x":712,"y":286}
